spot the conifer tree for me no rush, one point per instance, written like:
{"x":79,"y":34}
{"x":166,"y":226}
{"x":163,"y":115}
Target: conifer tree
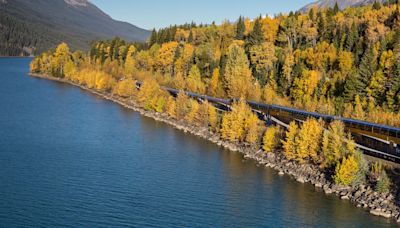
{"x":240,"y":29}
{"x":256,"y":36}
{"x":336,"y":8}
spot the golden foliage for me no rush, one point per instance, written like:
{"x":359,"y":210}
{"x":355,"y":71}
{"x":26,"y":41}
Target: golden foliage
{"x":125,"y":88}
{"x":345,"y":172}
{"x":238,"y":76}
{"x":240,"y":124}
{"x":194,"y":83}
{"x":182,"y":105}
{"x":290,"y":143}
{"x":271,"y":139}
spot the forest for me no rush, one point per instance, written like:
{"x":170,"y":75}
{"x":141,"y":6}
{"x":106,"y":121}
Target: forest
{"x":335,"y":62}
{"x":326,"y":60}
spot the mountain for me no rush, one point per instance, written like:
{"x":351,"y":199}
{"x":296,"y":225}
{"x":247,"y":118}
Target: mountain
{"x":31,"y":26}
{"x":341,"y":3}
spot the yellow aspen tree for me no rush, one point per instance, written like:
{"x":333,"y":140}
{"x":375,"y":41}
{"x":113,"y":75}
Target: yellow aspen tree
{"x":237,"y":75}
{"x":34,"y":66}
{"x":130,"y":63}
{"x":233,"y":125}
{"x":182,"y":64}
{"x":213,"y":117}
{"x":103,"y":81}
{"x":193,"y":116}
{"x":334,"y":144}
{"x":214,"y":83}
{"x":271,"y":139}
{"x":358,"y":112}
{"x":60,"y":58}
{"x":290,"y":143}
{"x":148,"y":90}
{"x":345,"y":172}
{"x":171,"y":107}
{"x":179,"y":81}
{"x":203,"y":114}
{"x":125,"y":88}
{"x":164,"y":62}
{"x":345,"y":61}
{"x":309,"y":140}
{"x":252,"y":126}
{"x":268,"y":94}
{"x":182,"y":105}
{"x":160,"y":104}
{"x":194,"y":82}
{"x":227,"y":130}
{"x":255,"y":94}
{"x":70,"y":70}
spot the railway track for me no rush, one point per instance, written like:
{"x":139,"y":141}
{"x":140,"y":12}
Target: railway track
{"x":375,"y":140}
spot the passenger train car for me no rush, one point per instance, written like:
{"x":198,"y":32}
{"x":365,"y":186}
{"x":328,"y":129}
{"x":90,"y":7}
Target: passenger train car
{"x":374,"y":139}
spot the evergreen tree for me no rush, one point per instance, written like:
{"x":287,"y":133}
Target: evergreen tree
{"x":153,"y":38}
{"x":255,"y":37}
{"x":352,"y":37}
{"x":190,"y":39}
{"x":240,"y":29}
{"x":366,"y":70}
{"x":336,"y":8}
{"x":376,"y":5}
{"x":353,"y":86}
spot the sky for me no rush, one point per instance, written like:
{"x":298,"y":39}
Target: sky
{"x":151,"y":14}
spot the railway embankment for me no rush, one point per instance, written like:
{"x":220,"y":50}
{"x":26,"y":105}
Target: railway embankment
{"x":363,"y":196}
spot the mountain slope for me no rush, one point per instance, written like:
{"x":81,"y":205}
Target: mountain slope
{"x":41,"y":24}
{"x":341,"y":3}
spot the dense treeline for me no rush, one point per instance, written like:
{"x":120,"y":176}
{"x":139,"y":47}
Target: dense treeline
{"x":21,"y":38}
{"x":332,"y":150}
{"x":336,"y":62}
{"x":331,"y":61}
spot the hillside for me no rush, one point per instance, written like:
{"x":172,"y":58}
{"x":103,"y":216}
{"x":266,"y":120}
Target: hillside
{"x":341,"y":3}
{"x":33,"y":26}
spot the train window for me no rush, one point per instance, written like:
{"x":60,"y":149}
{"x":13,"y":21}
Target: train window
{"x":398,"y":149}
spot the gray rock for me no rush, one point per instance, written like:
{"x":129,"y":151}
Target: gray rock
{"x":345,"y":197}
{"x":301,"y":180}
{"x":328,"y":191}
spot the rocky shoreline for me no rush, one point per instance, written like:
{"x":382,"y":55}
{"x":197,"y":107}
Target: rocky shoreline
{"x":378,"y":204}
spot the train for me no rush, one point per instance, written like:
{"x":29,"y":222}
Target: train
{"x":373,"y":139}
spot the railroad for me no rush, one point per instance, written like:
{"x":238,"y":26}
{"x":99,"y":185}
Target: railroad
{"x":375,"y":140}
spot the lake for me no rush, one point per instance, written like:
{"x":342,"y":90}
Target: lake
{"x":71,"y":159}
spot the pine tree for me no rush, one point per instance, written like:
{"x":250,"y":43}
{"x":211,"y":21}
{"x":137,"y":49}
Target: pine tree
{"x":366,"y":70}
{"x":153,"y":38}
{"x":376,"y":5}
{"x":352,"y":37}
{"x":336,"y":8}
{"x":255,"y":37}
{"x":190,"y":38}
{"x":240,"y":29}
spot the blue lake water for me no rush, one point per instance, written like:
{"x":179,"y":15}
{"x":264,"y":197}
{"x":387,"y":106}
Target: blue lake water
{"x":71,"y":159}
